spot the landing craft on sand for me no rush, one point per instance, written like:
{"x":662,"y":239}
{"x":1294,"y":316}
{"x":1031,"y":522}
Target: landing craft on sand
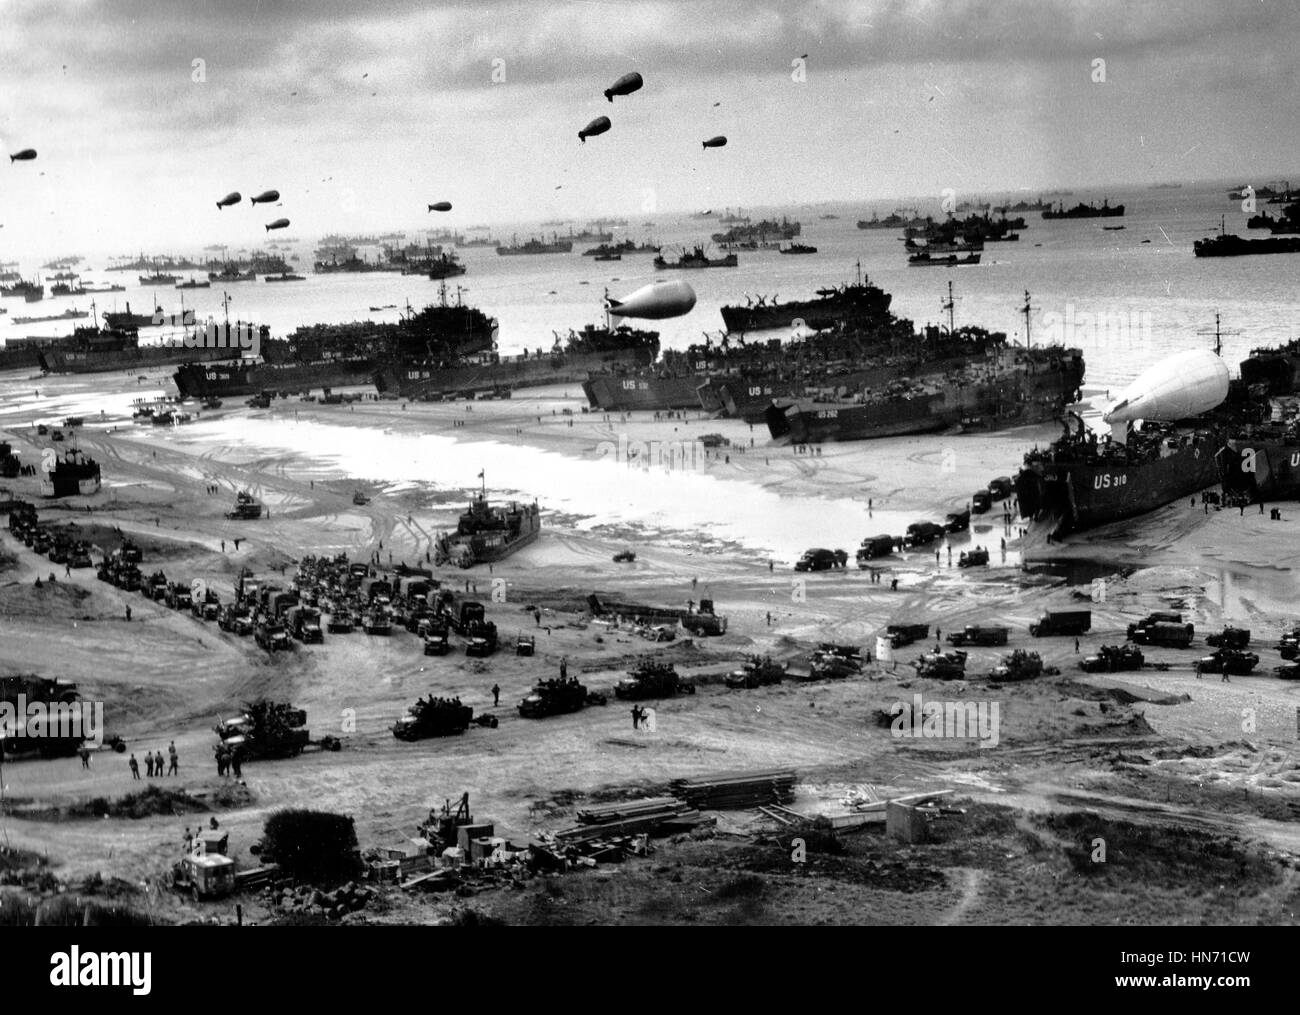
{"x":655,"y":301}
{"x":277,"y":224}
{"x":597,"y":126}
{"x":266,"y":197}
{"x":232,"y":198}
{"x":625,"y":85}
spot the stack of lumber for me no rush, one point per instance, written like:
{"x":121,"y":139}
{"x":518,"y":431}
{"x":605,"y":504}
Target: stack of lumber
{"x":602,"y":821}
{"x":726,"y":791}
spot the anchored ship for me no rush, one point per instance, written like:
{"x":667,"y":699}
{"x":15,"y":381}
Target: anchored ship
{"x":536,"y":246}
{"x":852,"y":302}
{"x":696,"y":259}
{"x":1084,"y":211}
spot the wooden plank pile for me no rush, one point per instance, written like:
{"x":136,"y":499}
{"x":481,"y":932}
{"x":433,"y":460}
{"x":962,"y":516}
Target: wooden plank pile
{"x":736,"y":791}
{"x":629,"y":817}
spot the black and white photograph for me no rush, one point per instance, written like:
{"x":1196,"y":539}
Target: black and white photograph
{"x":480,"y":465}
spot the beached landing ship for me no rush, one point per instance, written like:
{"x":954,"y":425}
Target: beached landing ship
{"x":486,"y":534}
{"x":1010,"y":387}
{"x":100,"y":350}
{"x":1079,"y":482}
{"x":569,"y":361}
{"x":73,"y":475}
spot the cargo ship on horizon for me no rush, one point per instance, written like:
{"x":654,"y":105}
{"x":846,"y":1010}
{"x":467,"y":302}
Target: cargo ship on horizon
{"x":1084,"y":211}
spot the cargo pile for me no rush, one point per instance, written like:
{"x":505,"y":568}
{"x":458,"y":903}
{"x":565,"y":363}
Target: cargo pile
{"x":733,"y":791}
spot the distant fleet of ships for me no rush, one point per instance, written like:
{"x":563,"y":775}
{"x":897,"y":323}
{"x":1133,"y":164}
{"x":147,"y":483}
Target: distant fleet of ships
{"x":854,"y":371}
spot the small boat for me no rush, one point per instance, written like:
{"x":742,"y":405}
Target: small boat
{"x":798,"y":248}
{"x":194,"y":283}
{"x":285,"y":277}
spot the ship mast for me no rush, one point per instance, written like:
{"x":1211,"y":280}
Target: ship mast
{"x":1218,"y":334}
{"x":1027,"y":310}
{"x":949,"y":305}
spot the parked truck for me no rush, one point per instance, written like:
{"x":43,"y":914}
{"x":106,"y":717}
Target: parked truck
{"x":979,"y":634}
{"x":271,"y":635}
{"x":950,"y":665}
{"x":304,"y":624}
{"x":651,"y":679}
{"x":1229,"y":637}
{"x":1168,"y":634}
{"x":873,"y":547}
{"x":1113,"y":659}
{"x":900,"y":635}
{"x":1062,"y":622}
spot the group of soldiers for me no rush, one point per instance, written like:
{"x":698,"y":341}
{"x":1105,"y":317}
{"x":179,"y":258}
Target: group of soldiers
{"x":432,"y":702}
{"x":230,"y":760}
{"x":153,"y":763}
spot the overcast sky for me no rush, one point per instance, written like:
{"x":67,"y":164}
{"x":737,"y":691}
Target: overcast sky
{"x":361,"y":113}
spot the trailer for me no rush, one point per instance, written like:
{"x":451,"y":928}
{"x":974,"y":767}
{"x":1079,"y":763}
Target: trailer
{"x":979,"y":634}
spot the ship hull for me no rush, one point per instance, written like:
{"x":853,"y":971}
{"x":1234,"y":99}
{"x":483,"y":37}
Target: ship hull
{"x":1268,"y":469}
{"x":58,"y":361}
{"x":623,"y":393}
{"x":1073,"y":496}
{"x":54,"y":485}
{"x":230,"y":379}
{"x":816,"y":314}
{"x":412,"y":381}
{"x":1019,"y":398}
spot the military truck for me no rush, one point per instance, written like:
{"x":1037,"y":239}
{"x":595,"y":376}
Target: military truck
{"x":304,"y":624}
{"x":756,"y":672}
{"x":1230,"y":661}
{"x":1113,"y":659}
{"x":436,"y":642}
{"x":957,"y":521}
{"x":236,"y":619}
{"x":979,"y":634}
{"x":1167,"y":633}
{"x":950,"y":665}
{"x":1062,"y":622}
{"x":1287,"y":671}
{"x":480,"y":638}
{"x":204,"y":876}
{"x":376,"y":620}
{"x":177,"y":596}
{"x":55,"y":741}
{"x":341,"y":620}
{"x":821,"y":559}
{"x":525,"y":645}
{"x":651,"y":679}
{"x":271,"y":635}
{"x":155,"y":586}
{"x":980,"y":502}
{"x":835,"y":662}
{"x":1229,"y":637}
{"x":207,"y":606}
{"x":557,"y":697}
{"x":1018,"y":665}
{"x":977,"y":557}
{"x":922,"y":534}
{"x":900,"y":635}
{"x":873,"y":547}
{"x":269,"y":729}
{"x":247,"y":507}
{"x":433,"y":717}
{"x":1000,"y":488}
{"x":1289,"y":645}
